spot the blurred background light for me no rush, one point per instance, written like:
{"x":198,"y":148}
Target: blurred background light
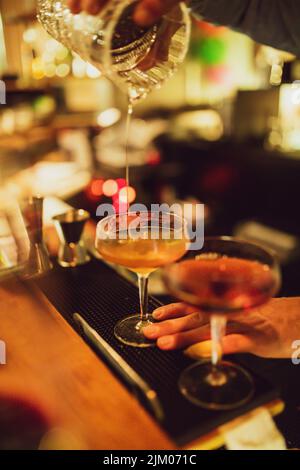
{"x":127,"y":195}
{"x":121,"y":182}
{"x":109,"y":117}
{"x":50,"y":70}
{"x":30,"y":35}
{"x":92,"y":72}
{"x":63,"y":70}
{"x":37,"y":69}
{"x":52,"y":45}
{"x":61,"y":53}
{"x":79,"y":67}
{"x":97,"y":188}
{"x":110,"y":188}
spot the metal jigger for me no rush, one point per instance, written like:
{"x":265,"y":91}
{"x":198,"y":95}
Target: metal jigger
{"x":38,"y":261}
{"x":69,"y":226}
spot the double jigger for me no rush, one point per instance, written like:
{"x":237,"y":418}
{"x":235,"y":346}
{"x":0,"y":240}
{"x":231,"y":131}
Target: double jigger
{"x":38,"y":262}
{"x":70,"y":226}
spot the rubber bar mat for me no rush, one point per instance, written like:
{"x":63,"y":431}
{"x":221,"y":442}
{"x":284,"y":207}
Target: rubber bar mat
{"x":102,"y":298}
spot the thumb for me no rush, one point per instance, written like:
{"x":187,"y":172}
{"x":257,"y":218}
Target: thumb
{"x":149,"y":11}
{"x":232,"y":344}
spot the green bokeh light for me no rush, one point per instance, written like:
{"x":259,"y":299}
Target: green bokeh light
{"x":210,"y":51}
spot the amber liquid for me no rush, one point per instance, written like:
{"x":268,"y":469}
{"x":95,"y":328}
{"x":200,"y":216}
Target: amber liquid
{"x":224,"y":285}
{"x":141,"y":255}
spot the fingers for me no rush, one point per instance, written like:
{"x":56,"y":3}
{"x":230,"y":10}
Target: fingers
{"x":173,"y":311}
{"x":93,"y":6}
{"x":171,"y":327}
{"x":184,"y":339}
{"x":149,"y":11}
{"x":180,"y":333}
{"x":90,"y":6}
{"x":75,"y":6}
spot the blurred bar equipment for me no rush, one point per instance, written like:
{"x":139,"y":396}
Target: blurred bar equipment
{"x":276,"y":59}
{"x":69,"y":226}
{"x":38,"y":262}
{"x":14,"y":240}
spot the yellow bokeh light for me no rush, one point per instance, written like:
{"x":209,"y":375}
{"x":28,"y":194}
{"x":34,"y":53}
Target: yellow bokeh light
{"x":127,"y":195}
{"x":50,"y":70}
{"x":48,"y":57}
{"x":109,"y":117}
{"x":37,"y":69}
{"x":110,"y":188}
{"x":61,"y":53}
{"x":63,"y":70}
{"x":30,"y":35}
{"x":52,"y":45}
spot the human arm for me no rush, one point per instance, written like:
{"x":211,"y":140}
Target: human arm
{"x":274,"y":23}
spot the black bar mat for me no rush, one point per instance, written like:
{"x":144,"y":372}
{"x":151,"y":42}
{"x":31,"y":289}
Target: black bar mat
{"x":102,"y":297}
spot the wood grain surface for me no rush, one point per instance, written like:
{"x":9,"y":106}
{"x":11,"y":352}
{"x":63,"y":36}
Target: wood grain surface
{"x":50,"y":365}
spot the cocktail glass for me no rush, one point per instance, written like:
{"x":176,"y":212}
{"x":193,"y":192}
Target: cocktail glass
{"x":141,"y":242}
{"x":229,"y":276}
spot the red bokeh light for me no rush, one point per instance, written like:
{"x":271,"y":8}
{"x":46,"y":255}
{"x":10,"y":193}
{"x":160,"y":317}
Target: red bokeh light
{"x":97,"y":188}
{"x":210,"y":29}
{"x":219,"y":179}
{"x":121,"y":182}
{"x":153,"y":158}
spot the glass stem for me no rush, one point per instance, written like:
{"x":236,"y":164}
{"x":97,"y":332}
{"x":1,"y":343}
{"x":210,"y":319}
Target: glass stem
{"x":143,"y":291}
{"x":218,"y":329}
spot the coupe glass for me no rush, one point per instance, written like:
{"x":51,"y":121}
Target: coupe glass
{"x":141,"y":242}
{"x":229,"y":276}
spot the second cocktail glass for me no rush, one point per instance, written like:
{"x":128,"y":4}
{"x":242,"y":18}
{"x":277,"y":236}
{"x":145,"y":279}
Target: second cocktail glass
{"x":229,"y":276}
{"x":142,"y":242}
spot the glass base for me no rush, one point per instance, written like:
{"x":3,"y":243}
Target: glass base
{"x":129,"y":331}
{"x":224,"y":387}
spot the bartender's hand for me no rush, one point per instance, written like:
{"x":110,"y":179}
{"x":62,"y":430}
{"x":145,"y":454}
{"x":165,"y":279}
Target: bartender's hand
{"x":268,"y":331}
{"x":146,"y":13}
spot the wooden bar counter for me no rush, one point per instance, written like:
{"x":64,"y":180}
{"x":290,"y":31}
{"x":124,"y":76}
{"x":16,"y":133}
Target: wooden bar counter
{"x":49,"y":365}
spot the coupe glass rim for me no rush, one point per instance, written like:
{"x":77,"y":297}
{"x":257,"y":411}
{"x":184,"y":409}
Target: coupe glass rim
{"x":123,"y":214}
{"x":238,"y":240}
{"x":101,"y":224}
{"x":272,"y":263}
